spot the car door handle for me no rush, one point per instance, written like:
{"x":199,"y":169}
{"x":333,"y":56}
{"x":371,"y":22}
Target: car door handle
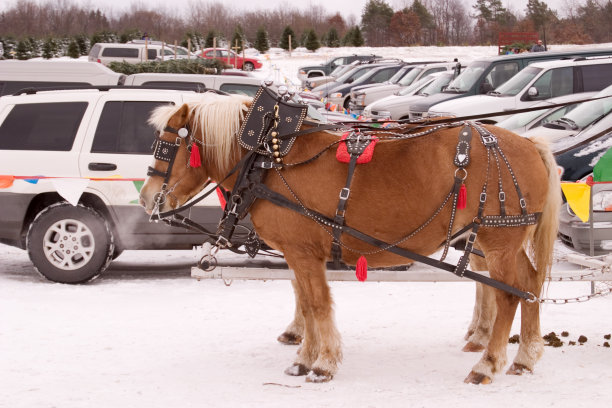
{"x":102,"y":166}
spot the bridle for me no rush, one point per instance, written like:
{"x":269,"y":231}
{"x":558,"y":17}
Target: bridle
{"x":166,"y":151}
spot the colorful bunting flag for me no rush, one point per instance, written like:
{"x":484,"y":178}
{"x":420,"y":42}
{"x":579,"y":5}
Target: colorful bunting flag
{"x":578,"y":196}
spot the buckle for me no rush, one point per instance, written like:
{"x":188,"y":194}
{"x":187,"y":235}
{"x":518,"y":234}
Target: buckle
{"x":489,"y":140}
{"x":344,"y":193}
{"x":502,"y":196}
{"x":523,"y":203}
{"x":483,"y":197}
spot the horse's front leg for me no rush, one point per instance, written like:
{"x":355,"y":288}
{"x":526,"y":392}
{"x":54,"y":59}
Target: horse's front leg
{"x":321,"y":350}
{"x":294,"y":333}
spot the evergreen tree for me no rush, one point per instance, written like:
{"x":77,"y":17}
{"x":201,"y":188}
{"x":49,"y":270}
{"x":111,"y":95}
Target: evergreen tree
{"x":332,"y":39}
{"x":81,"y":41}
{"x":22,"y":51}
{"x":210,"y":39}
{"x":284,"y":42}
{"x":261,"y":40}
{"x":48,"y":48}
{"x":312,"y":42}
{"x":353,"y":38}
{"x":375,"y":21}
{"x":238,"y":39}
{"x":540,"y":14}
{"x":73,"y":50}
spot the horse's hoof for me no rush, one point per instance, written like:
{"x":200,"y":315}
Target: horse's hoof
{"x":472,"y":347}
{"x":297,"y":370}
{"x":289,"y":338}
{"x":518,"y":369}
{"x":318,"y":376}
{"x":476,"y":378}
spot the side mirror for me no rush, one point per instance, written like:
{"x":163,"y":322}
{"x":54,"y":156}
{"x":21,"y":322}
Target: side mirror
{"x":533,"y":92}
{"x":349,"y":81}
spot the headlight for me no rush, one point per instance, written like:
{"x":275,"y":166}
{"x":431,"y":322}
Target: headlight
{"x":602,"y":201}
{"x":336,"y":95}
{"x":359,"y":99}
{"x":431,"y":114}
{"x":301,"y":72}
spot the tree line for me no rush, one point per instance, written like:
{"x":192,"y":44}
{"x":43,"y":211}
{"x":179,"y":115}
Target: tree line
{"x":60,"y":27}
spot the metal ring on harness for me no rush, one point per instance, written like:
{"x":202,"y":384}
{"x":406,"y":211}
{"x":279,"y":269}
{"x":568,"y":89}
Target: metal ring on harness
{"x":464,"y":173}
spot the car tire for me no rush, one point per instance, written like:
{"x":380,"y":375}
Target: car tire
{"x":347,"y":103}
{"x":248,"y":66}
{"x":90,"y":237}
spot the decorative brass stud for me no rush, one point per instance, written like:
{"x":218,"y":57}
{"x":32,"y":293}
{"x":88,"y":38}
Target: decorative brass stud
{"x":276,"y":154}
{"x":279,"y":160}
{"x":275,"y":147}
{"x":274,"y":133}
{"x":275,"y":141}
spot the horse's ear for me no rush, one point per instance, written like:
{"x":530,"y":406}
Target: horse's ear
{"x":180,"y":118}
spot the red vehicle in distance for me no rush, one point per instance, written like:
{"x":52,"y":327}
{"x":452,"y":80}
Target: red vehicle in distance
{"x":231,"y":58}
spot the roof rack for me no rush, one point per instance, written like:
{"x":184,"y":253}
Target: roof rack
{"x":105,"y":88}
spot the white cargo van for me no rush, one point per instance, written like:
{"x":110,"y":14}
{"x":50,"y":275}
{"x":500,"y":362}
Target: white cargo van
{"x":134,"y":52}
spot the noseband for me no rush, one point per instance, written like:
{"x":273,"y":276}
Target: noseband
{"x":166,"y":151}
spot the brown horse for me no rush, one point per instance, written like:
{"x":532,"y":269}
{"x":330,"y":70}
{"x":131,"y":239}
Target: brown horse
{"x":390,"y":197}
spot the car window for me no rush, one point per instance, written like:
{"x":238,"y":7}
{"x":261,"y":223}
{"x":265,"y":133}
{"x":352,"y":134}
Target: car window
{"x":554,"y":82}
{"x":240,"y":89}
{"x":468,"y":78}
{"x":436,"y":86}
{"x":123,"y":128}
{"x":182,"y":85}
{"x":42,"y":126}
{"x":95,"y":50}
{"x":11,"y":87}
{"x":596,"y":77}
{"x":501,"y":73}
{"x":222,"y":53}
{"x":210,"y":54}
{"x":556,"y":114}
{"x":168,"y":52}
{"x":433,"y":70}
{"x":151,"y":54}
{"x":120,"y":52}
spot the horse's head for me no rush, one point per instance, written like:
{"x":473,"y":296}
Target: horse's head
{"x":203,"y":130}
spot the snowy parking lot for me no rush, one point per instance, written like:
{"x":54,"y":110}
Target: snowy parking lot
{"x":146,"y":334}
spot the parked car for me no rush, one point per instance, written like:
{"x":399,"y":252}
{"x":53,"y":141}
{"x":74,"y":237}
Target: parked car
{"x":341,"y":95}
{"x":484,"y":75}
{"x":580,"y":124}
{"x":134,"y":52}
{"x":576,"y":234}
{"x":326,"y":68}
{"x":227,"y":83}
{"x":340,"y":70}
{"x":363,"y":95}
{"x":16,"y":75}
{"x":90,"y":148}
{"x":231,"y":58}
{"x":395,"y":107}
{"x":539,"y":81}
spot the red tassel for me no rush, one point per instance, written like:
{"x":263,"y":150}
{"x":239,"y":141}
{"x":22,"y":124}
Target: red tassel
{"x":462,"y":198}
{"x":361,"y":271}
{"x":194,"y":159}
{"x":221,"y":197}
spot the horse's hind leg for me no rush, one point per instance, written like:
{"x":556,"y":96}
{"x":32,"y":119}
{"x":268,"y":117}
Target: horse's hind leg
{"x":294,"y":333}
{"x":321,"y":350}
{"x":531,"y":346}
{"x":502,"y":263}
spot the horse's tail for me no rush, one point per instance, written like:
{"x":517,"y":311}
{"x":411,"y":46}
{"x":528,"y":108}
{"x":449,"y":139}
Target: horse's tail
{"x":545,"y":233}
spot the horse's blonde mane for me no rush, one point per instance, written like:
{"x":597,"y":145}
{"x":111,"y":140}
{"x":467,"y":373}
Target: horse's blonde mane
{"x":215,"y":118}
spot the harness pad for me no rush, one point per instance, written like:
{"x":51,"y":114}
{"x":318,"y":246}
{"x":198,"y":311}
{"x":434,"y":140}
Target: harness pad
{"x":364,"y":146}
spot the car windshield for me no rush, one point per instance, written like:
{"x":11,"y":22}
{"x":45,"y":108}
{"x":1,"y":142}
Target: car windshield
{"x":437,"y":85}
{"x":517,"y":83}
{"x":589,"y":112}
{"x":180,"y":50}
{"x":466,"y":80}
{"x":410,"y":76}
{"x":415,"y":86}
{"x":353,"y":75}
{"x":399,"y":74}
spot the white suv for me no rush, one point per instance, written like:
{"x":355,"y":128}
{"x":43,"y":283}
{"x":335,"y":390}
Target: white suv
{"x":537,"y":82}
{"x":72,"y":164}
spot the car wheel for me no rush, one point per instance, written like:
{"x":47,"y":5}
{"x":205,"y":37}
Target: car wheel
{"x":248,"y":66}
{"x":347,"y":102}
{"x":70,"y":244}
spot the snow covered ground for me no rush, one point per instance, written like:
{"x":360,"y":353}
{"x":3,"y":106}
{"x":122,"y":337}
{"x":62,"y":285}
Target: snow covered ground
{"x":145,"y":334}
